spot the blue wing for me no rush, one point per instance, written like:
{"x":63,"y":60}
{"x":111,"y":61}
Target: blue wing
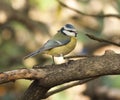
{"x":58,"y":40}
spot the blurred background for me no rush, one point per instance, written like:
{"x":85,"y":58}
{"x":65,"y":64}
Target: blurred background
{"x":27,"y":24}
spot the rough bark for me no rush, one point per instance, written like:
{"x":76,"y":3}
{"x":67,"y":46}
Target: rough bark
{"x":52,"y":75}
{"x":91,"y":67}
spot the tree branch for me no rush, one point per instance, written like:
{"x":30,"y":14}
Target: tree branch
{"x":91,"y":67}
{"x":35,"y":91}
{"x":52,"y":75}
{"x":91,"y":15}
{"x":101,"y":40}
{"x":21,"y":74}
{"x":68,"y":86}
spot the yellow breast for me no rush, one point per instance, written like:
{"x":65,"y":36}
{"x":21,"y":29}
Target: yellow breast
{"x":63,"y":50}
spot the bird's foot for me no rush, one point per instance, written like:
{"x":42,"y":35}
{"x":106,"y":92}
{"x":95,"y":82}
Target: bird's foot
{"x":69,"y":62}
{"x":53,"y":63}
{"x":37,"y":66}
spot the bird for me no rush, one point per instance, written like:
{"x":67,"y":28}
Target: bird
{"x":62,"y":43}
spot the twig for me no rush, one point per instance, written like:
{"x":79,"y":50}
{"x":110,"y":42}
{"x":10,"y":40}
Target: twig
{"x":78,"y":56}
{"x":102,"y":40}
{"x":91,"y":15}
{"x":68,"y":86}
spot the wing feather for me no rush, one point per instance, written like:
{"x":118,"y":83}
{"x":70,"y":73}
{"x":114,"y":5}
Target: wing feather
{"x":58,"y":40}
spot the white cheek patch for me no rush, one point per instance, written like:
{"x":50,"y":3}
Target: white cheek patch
{"x":69,"y":33}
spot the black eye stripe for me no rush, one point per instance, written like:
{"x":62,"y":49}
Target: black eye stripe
{"x":70,"y":31}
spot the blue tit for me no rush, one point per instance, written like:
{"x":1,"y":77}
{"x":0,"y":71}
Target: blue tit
{"x":61,"y":44}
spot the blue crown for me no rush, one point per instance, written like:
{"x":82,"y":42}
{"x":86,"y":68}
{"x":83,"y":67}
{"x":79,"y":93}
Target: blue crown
{"x":69,"y":26}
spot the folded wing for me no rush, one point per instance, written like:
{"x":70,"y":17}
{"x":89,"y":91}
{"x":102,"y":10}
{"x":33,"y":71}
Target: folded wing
{"x":54,"y":42}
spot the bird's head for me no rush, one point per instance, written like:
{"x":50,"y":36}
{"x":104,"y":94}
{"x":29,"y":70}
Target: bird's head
{"x":69,"y":30}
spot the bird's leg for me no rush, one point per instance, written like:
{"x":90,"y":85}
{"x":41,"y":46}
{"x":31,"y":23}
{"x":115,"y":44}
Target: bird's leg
{"x":53,"y":60}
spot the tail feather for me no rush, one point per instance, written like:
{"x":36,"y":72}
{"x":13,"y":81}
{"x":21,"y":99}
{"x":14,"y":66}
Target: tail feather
{"x":33,"y":54}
